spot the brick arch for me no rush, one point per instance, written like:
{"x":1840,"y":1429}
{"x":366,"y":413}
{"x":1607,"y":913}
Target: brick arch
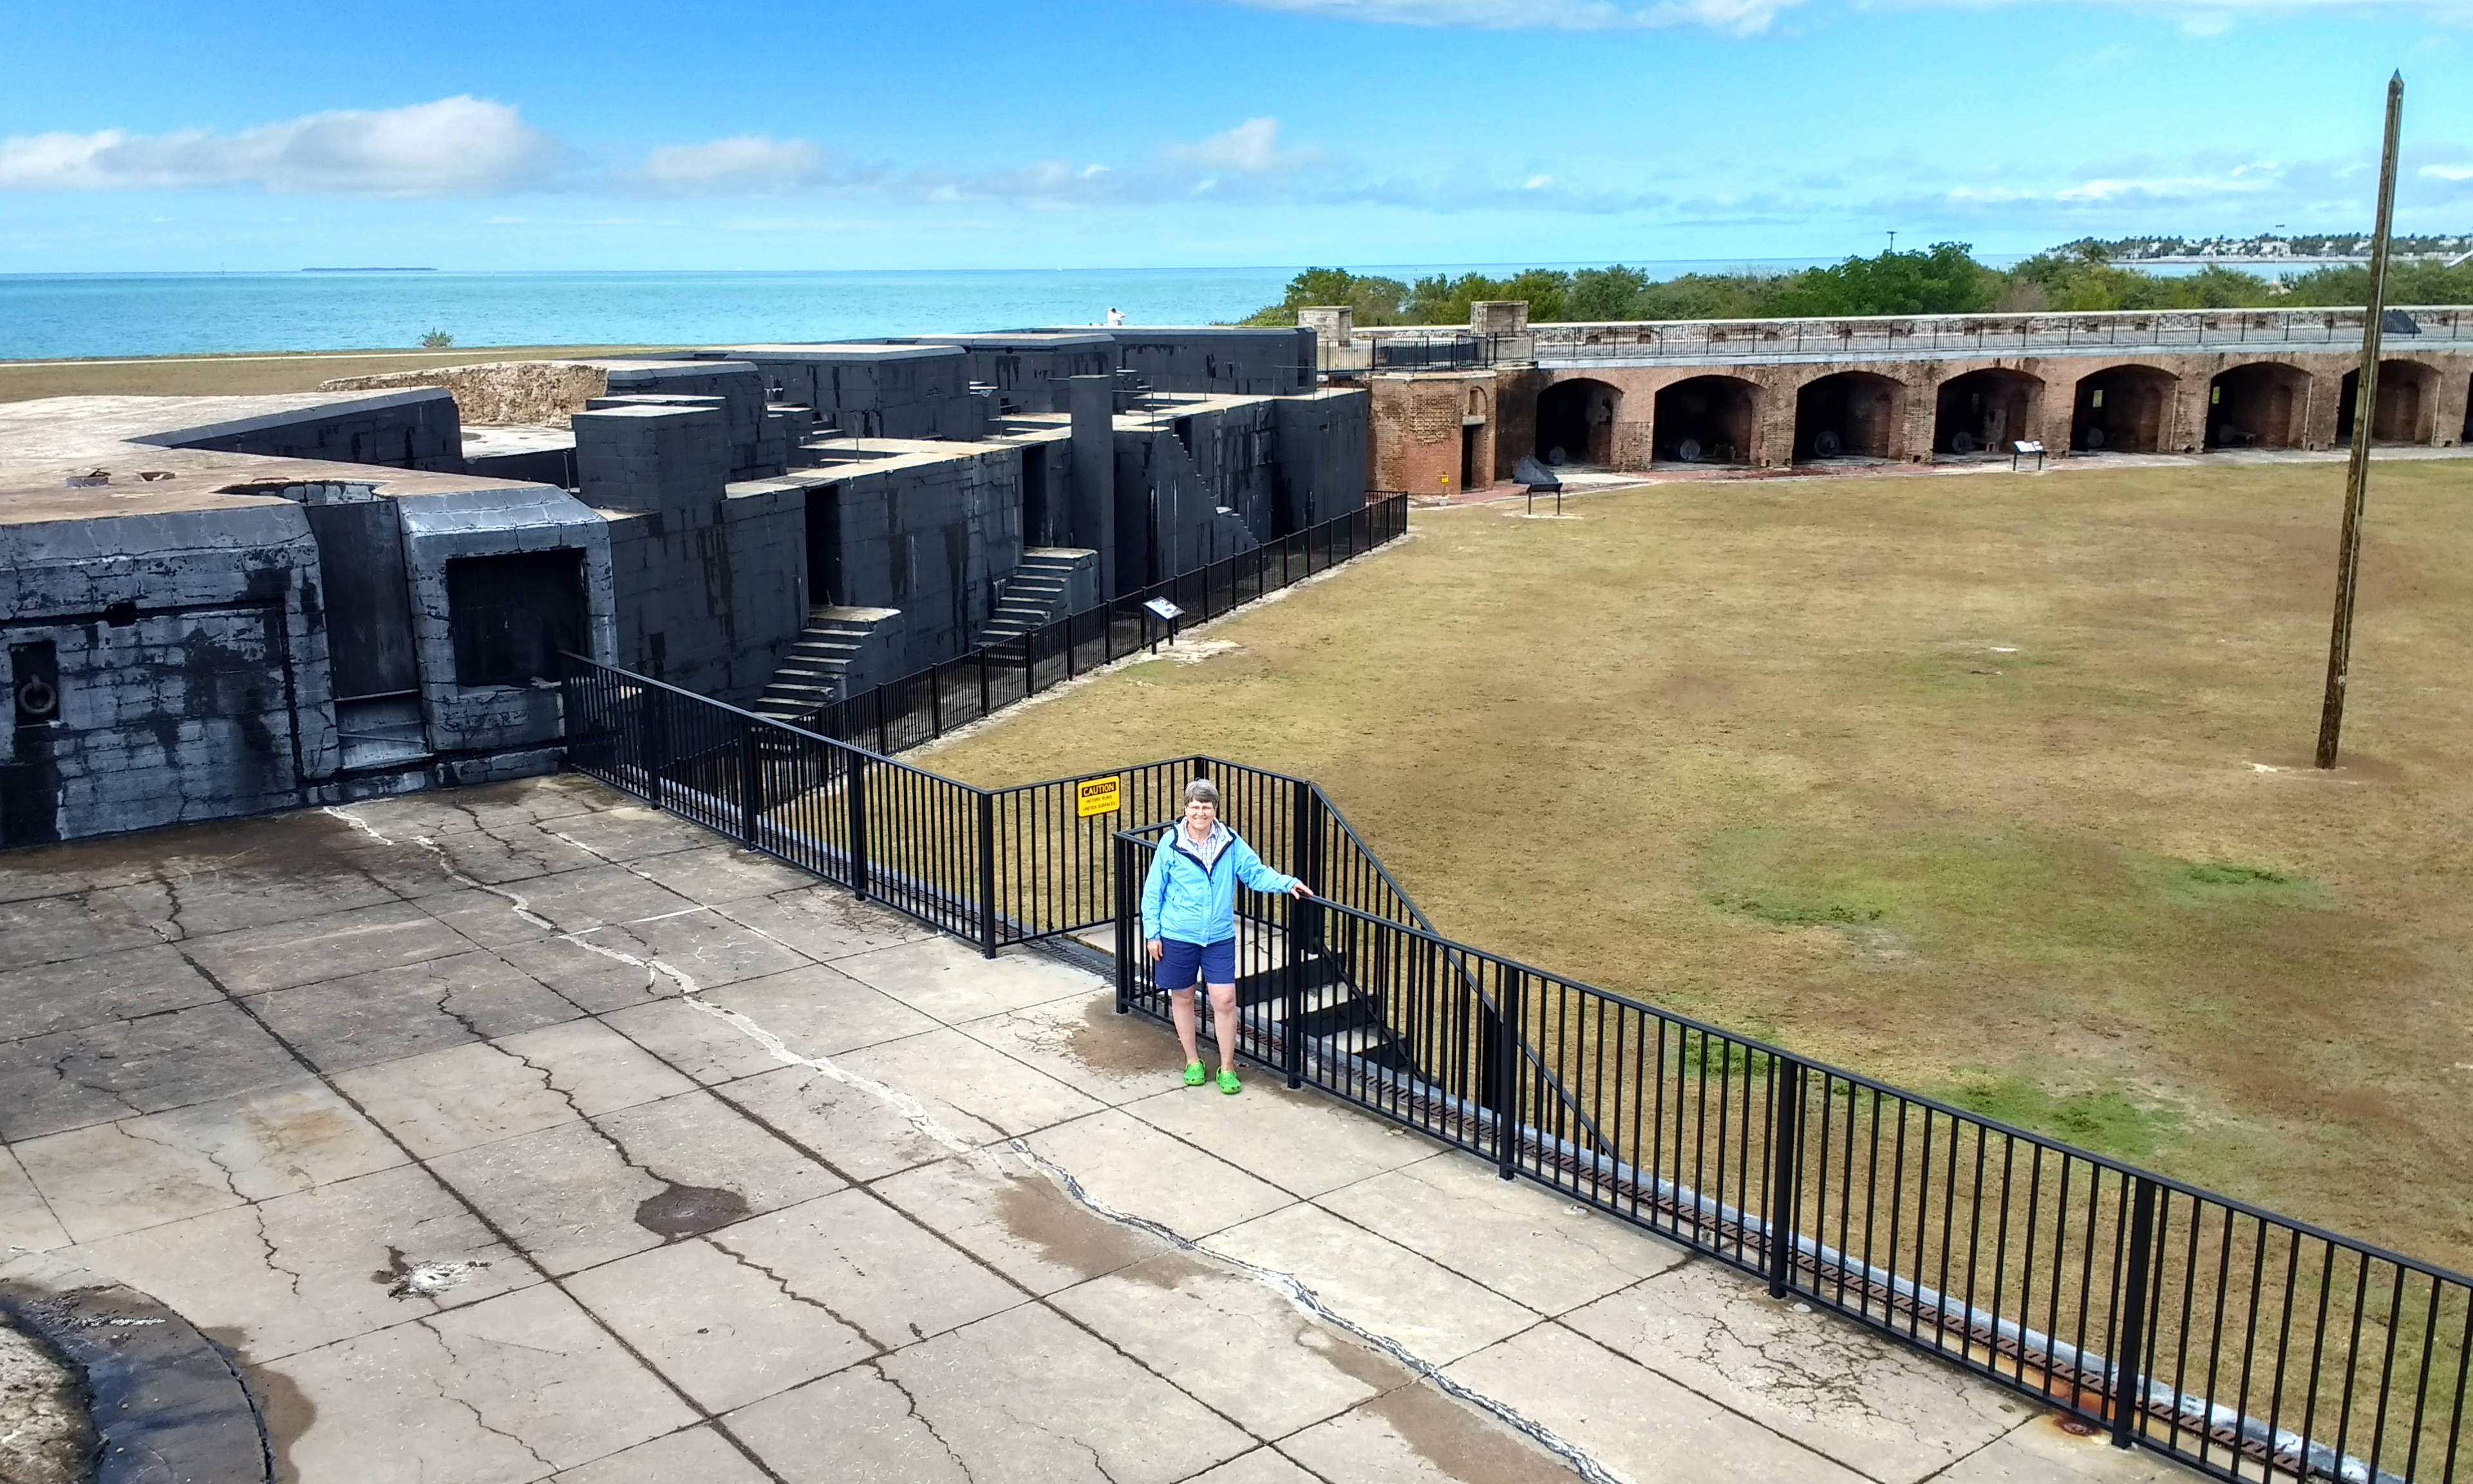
{"x":1577,"y":415}
{"x":1983,"y":411}
{"x":2258,"y":405}
{"x":1707,"y":418}
{"x":2408,"y":398}
{"x":1849,"y":413}
{"x":2123,"y":408}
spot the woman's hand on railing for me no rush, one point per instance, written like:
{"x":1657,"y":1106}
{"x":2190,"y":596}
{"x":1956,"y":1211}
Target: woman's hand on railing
{"x":1301,"y":891}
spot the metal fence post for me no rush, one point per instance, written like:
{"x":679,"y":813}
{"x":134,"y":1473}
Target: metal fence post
{"x":751,"y":784}
{"x":987,"y":874}
{"x":935,"y":701}
{"x":2128,"y":1365}
{"x":1785,"y":1138}
{"x":983,"y":681}
{"x":1293,"y":1057}
{"x":855,"y":793}
{"x":657,"y":741}
{"x":1128,"y":925}
{"x":1511,"y":991}
{"x":876,"y":696}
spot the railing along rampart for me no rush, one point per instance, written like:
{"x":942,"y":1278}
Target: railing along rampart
{"x":920,"y":706}
{"x":2245,"y":1344}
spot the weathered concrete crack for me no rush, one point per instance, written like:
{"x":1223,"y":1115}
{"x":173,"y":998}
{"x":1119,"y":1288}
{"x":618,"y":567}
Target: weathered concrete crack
{"x":782,"y":1283}
{"x":479,"y":1420}
{"x":912,"y":1402}
{"x":1292,"y":1288}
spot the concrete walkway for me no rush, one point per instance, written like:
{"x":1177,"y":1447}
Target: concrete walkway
{"x":524,"y":1133}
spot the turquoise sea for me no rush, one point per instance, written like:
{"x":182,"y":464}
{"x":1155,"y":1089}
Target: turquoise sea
{"x":60,"y":316}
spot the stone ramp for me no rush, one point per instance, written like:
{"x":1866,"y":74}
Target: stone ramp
{"x":524,"y":1133}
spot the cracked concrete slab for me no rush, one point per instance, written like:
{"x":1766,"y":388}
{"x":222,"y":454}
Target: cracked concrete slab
{"x":96,"y":991}
{"x":1022,"y":1398}
{"x":310,"y":950}
{"x":283,"y":1276}
{"x":99,"y":1074}
{"x":111,"y":1178}
{"x":1417,"y":1435}
{"x":1001,"y":1210}
{"x":1235,"y":1344}
{"x":573,"y":1195}
{"x":726,"y":1332}
{"x":948,"y":979}
{"x":826,"y":925}
{"x":1518,"y":1239}
{"x":1383,"y":1285}
{"x":1882,"y":1409}
{"x":1081,"y":1042}
{"x":512,"y":1388}
{"x":1299,"y":1141}
{"x":894,"y":1212}
{"x":473,"y":1094}
{"x":1133,"y":1167}
{"x":385,"y":1014}
{"x":26,"y":1220}
{"x":815,"y":1009}
{"x":976,"y":1093}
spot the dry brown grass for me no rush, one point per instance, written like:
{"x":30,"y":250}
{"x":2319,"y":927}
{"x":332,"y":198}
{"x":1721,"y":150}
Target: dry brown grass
{"x":1937,"y":778}
{"x":239,"y":375}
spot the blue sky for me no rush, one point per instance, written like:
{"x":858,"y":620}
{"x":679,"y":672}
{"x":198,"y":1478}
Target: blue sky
{"x":1198,"y":132}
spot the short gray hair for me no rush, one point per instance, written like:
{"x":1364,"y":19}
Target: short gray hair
{"x":1202,"y":791}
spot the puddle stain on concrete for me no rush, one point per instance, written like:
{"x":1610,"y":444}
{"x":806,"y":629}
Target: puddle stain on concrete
{"x":1110,"y":1043}
{"x":678,"y":1210}
{"x":1460,"y":1441}
{"x":1035,"y":1211}
{"x":1355,"y":1361}
{"x":284,"y":1411}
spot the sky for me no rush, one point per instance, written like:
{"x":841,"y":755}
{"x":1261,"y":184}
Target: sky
{"x":541,"y":134}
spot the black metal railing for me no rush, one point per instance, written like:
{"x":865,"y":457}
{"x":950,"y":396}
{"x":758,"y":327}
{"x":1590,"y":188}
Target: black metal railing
{"x":2249,"y":1345}
{"x":2245,"y":1344}
{"x":920,"y":706}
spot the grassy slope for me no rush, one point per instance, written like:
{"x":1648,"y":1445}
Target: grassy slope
{"x":240,"y":375}
{"x":1757,"y":752}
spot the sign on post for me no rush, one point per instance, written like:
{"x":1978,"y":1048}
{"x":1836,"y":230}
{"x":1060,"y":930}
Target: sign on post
{"x":1095,"y":796}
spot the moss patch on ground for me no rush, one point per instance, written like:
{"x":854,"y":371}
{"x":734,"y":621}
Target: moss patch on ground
{"x":1926,"y":775}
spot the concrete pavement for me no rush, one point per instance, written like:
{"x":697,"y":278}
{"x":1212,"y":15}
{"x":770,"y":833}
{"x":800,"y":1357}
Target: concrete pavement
{"x":524,"y":1133}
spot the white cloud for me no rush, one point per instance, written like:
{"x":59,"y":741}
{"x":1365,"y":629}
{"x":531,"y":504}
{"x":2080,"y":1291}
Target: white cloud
{"x":1739,"y":17}
{"x":748,"y":165}
{"x":2448,"y":172}
{"x":455,"y":146}
{"x":1251,"y":147}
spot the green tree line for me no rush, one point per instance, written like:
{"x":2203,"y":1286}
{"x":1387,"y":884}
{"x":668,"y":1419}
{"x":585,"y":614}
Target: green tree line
{"x":1943,"y":278}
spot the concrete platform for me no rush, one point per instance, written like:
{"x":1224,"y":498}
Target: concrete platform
{"x":523,"y":1133}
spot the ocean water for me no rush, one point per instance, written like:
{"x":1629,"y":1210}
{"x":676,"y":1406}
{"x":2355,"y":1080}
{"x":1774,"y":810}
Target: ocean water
{"x":60,"y":316}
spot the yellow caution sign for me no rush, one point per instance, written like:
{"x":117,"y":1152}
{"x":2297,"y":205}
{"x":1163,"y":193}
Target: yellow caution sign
{"x":1093,"y":797}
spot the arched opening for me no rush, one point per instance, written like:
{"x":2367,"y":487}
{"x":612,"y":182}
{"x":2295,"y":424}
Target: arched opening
{"x":2408,"y":405}
{"x":2122,"y":409}
{"x":2466,"y":437}
{"x":1576,"y":422}
{"x":1850,"y":414}
{"x":1983,"y":412}
{"x":1707,"y":420}
{"x":2257,"y":406}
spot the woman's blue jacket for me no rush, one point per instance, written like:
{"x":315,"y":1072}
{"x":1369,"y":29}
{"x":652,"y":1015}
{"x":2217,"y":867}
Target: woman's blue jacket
{"x":1190,"y":902}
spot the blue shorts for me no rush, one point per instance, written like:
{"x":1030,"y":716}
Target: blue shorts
{"x":1216,"y":961}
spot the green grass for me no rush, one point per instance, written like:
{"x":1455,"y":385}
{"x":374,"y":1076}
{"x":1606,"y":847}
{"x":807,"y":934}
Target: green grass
{"x":1924,"y":775}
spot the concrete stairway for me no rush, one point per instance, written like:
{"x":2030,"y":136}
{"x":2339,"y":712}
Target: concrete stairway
{"x":840,"y":651}
{"x":1051,"y":582}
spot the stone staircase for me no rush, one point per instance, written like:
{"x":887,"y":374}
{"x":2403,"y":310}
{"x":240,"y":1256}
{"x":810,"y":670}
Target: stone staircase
{"x":1051,"y":582}
{"x":841,"y":650}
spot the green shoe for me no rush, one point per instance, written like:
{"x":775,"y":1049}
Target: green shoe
{"x":1229,"y":1084}
{"x":1195,"y":1076}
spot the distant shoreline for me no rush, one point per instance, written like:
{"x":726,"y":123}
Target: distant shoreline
{"x":369,"y":270}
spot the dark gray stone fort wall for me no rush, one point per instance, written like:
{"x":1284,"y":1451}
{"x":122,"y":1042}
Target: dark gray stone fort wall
{"x":191,"y":655}
{"x":933,"y":539}
{"x":411,"y":430}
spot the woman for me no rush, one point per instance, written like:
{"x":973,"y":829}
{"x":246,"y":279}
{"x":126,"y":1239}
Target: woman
{"x":1189,"y":920}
